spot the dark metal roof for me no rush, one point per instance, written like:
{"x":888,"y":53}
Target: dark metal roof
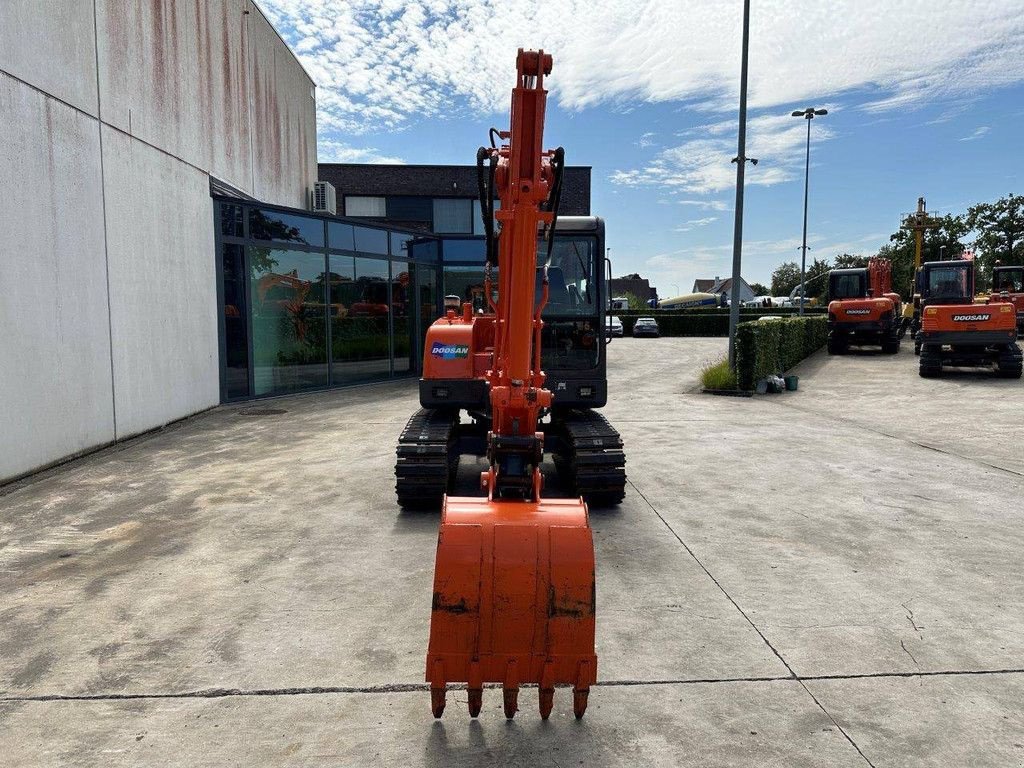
{"x":438,"y":181}
{"x":220,"y":188}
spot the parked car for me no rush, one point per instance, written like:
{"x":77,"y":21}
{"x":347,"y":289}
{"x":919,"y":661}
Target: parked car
{"x":613,"y":326}
{"x":646,"y":326}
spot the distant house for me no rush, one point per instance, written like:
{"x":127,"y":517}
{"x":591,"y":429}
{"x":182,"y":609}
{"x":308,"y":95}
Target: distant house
{"x":719,"y":286}
{"x":634,"y":284}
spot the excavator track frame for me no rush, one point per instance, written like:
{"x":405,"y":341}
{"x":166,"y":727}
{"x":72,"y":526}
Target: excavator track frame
{"x":586,"y":449}
{"x":427,"y":458}
{"x":590,"y":459}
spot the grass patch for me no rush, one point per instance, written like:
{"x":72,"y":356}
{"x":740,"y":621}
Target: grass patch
{"x":718,"y":376}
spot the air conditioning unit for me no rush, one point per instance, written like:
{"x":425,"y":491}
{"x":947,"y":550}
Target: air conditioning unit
{"x":325,"y":199}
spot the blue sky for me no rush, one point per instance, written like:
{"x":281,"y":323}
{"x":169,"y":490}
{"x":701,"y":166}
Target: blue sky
{"x":646,"y":92}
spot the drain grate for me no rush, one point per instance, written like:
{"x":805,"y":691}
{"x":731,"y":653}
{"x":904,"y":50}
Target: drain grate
{"x":262,"y":411}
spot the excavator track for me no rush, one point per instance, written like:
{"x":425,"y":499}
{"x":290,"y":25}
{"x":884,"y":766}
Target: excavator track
{"x":591,"y":459}
{"x":427,"y":458}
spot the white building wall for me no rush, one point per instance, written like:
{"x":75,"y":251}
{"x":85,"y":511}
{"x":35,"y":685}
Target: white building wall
{"x":108,"y":322}
{"x":163,"y":290}
{"x":51,"y":44}
{"x":55,"y":381}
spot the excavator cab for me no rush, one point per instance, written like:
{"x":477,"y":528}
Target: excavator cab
{"x":1008,"y":280}
{"x":848,"y":284}
{"x":946,"y":282}
{"x":1008,"y":285}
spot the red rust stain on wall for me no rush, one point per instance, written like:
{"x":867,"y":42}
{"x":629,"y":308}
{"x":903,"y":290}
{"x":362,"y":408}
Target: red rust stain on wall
{"x":207,"y":95}
{"x":230,"y":94}
{"x":157,"y":34}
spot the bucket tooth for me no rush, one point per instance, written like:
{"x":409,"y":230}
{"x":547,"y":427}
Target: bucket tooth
{"x":437,"y":701}
{"x":511,"y":701}
{"x":476,"y":700}
{"x":579,"y":701}
{"x":547,"y":702}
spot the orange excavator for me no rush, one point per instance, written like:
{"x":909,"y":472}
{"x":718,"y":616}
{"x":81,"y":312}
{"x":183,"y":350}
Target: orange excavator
{"x":1008,"y":286}
{"x":957,"y":332}
{"x":514,"y":584}
{"x":863,"y":308}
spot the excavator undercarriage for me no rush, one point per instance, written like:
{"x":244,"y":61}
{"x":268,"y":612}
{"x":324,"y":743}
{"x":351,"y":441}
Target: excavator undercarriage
{"x":586,"y":449}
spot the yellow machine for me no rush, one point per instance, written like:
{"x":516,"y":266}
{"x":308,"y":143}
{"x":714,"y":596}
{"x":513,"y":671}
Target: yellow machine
{"x":917,"y":222}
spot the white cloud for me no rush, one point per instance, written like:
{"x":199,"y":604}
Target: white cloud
{"x":711,"y":205}
{"x":646,"y":140}
{"x":380,"y":62}
{"x":978,"y":133}
{"x":695,"y":223}
{"x":703,"y":165}
{"x":331,"y":151}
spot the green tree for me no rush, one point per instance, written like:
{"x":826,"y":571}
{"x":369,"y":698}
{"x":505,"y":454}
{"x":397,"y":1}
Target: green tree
{"x":816,"y":279}
{"x":1000,"y":232}
{"x":759,"y":289}
{"x":850,"y":261}
{"x":785,"y":277}
{"x":635,"y":302}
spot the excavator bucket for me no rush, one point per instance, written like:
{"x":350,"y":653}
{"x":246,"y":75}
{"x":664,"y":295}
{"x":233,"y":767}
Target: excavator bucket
{"x":514,"y":596}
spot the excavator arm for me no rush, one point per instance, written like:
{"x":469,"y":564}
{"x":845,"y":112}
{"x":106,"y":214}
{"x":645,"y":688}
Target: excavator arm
{"x":514,"y":585}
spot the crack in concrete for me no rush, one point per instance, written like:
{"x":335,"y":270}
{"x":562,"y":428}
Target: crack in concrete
{"x":757,"y":629}
{"x":906,"y":651}
{"x":910,"y":617}
{"x":319,"y":690}
{"x":910,"y":440}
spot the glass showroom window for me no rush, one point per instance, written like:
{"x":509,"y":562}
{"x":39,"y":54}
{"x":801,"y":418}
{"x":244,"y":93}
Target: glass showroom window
{"x":289,"y":334}
{"x":236,"y":315}
{"x":361,"y":307}
{"x":266,"y":224}
{"x":370,"y":240}
{"x":406,"y":348}
{"x":468,"y":284}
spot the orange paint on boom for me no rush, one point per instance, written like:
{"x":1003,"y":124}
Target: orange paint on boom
{"x":514,"y":588}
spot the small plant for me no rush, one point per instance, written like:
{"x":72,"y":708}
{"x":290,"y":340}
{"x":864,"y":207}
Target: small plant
{"x":718,"y":376}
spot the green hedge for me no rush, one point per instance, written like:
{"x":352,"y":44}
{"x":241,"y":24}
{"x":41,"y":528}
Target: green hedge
{"x":763,"y":349}
{"x":682,"y":325}
{"x":682,"y":322}
{"x":744,"y":311}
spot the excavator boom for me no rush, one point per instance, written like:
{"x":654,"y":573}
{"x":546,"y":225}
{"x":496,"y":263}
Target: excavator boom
{"x":514,"y":587}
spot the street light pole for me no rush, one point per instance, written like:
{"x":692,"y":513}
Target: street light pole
{"x":741,"y":164}
{"x":808,"y":115}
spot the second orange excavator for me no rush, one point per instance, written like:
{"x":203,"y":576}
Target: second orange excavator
{"x":514,"y":584}
{"x":863,"y":308}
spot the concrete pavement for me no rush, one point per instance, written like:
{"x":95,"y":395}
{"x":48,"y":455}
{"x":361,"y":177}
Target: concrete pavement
{"x":826,"y":577}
